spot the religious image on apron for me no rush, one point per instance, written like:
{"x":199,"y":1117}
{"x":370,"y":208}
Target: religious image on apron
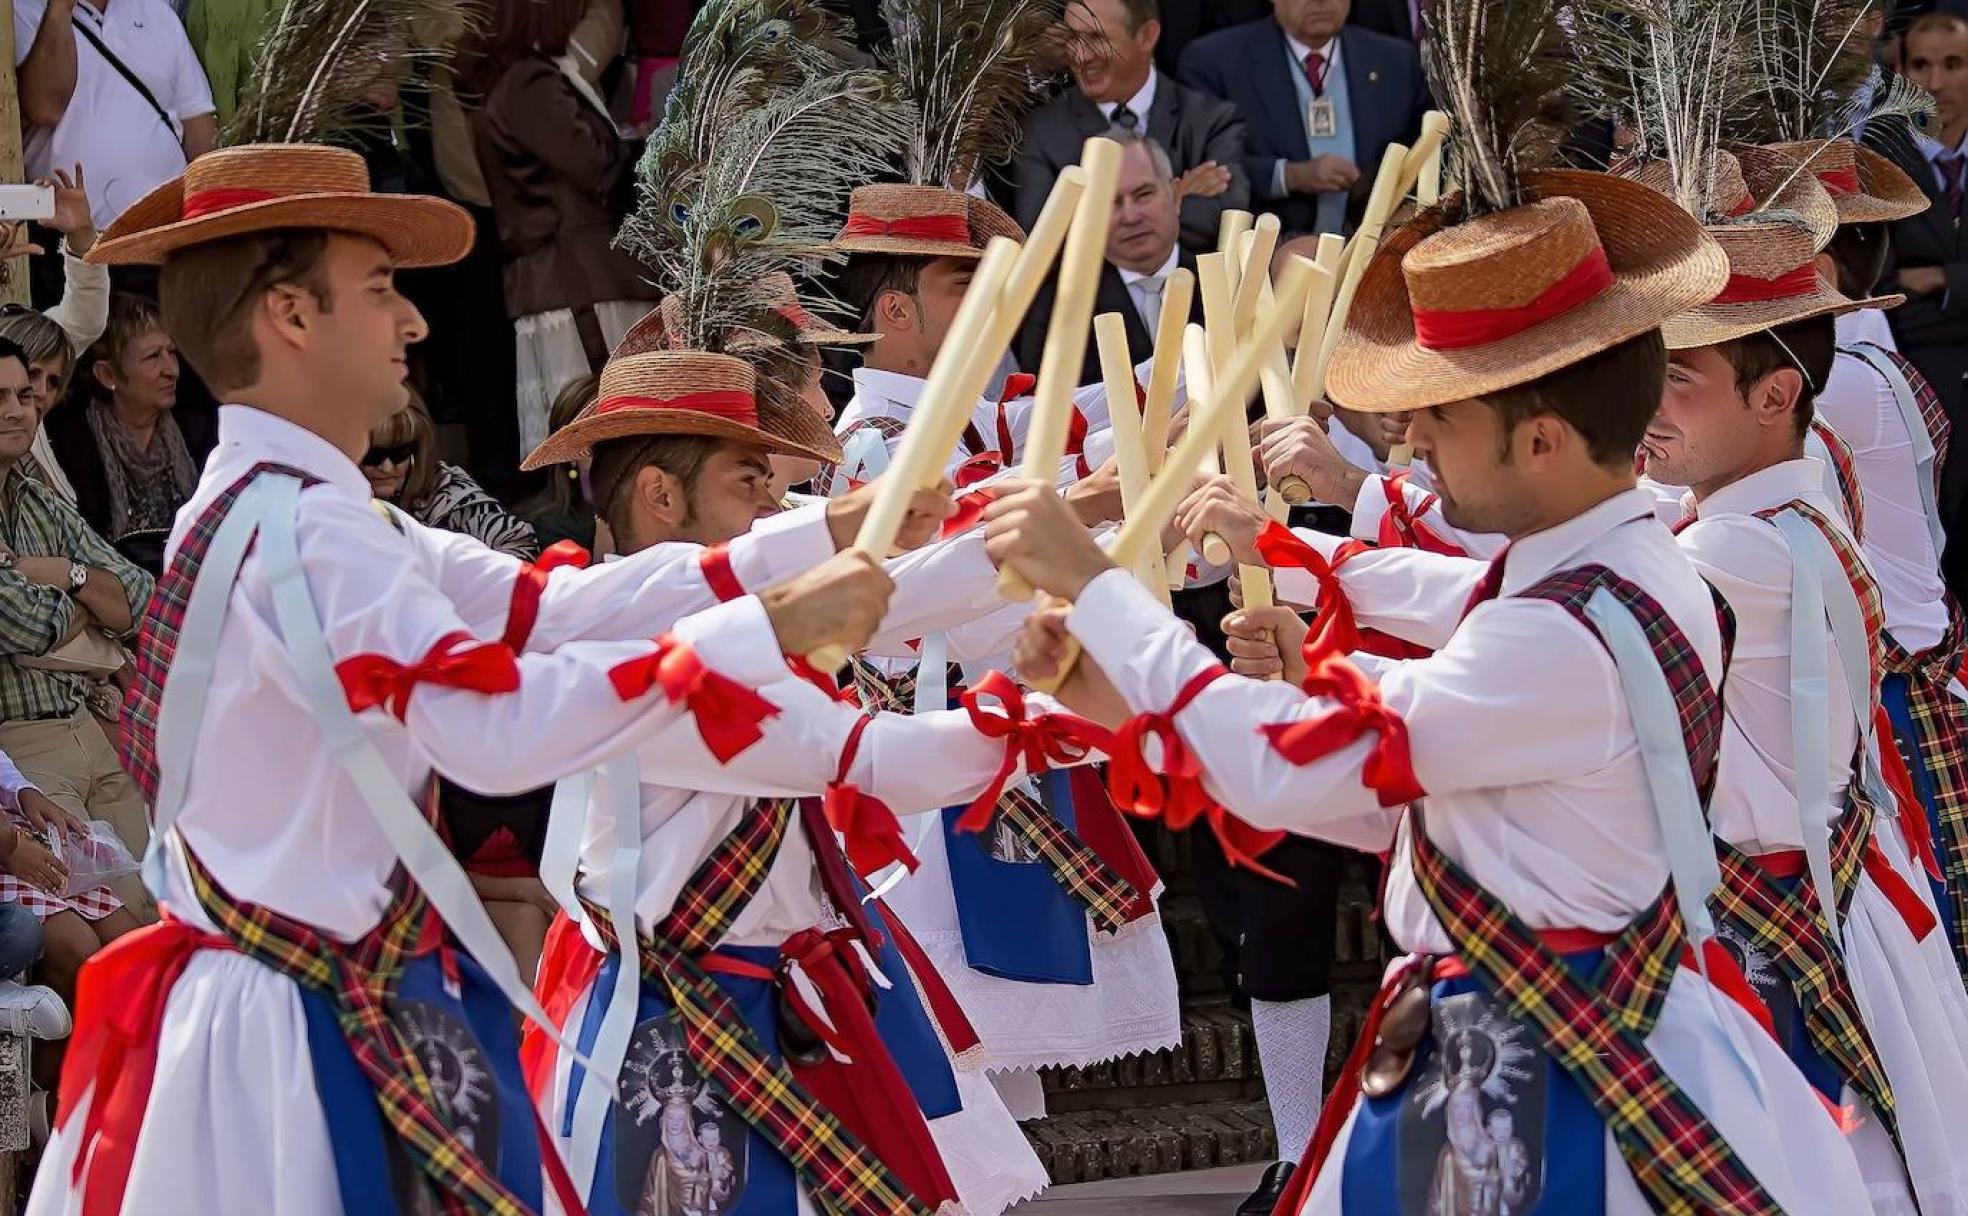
{"x":1763,"y":976}
{"x":680,"y":1150}
{"x":461,"y":1078}
{"x":1473,"y":1121}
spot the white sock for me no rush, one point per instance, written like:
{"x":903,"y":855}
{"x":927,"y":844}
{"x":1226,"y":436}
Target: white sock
{"x":1291,"y":1045}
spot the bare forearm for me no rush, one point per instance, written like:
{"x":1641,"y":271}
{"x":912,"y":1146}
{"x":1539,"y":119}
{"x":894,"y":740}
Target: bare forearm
{"x":103,"y":596}
{"x":47,"y":75}
{"x":201,"y":135}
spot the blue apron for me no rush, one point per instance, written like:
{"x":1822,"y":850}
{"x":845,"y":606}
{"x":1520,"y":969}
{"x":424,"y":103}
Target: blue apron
{"x":1016,"y":920}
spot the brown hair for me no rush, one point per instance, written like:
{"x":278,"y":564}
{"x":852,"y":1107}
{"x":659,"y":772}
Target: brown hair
{"x":1609,"y":398}
{"x":516,"y":29}
{"x":411,"y":424}
{"x":1810,"y":346}
{"x":868,"y":276}
{"x":209,"y":292}
{"x":37,"y":334}
{"x":130,"y":317}
{"x":617,"y":461}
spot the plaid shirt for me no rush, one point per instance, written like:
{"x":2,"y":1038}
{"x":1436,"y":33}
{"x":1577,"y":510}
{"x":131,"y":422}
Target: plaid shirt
{"x":35,"y":521}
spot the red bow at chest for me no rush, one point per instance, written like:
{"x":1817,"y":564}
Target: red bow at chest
{"x":370,"y":680}
{"x":729,"y":715}
{"x":1175,"y":794}
{"x":1041,"y":742}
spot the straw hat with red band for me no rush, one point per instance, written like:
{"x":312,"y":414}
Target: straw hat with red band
{"x":1864,"y":186}
{"x":807,"y":328}
{"x":1773,"y":280}
{"x":683,"y":393}
{"x":1748,"y":180}
{"x":922,"y":221}
{"x":264,"y":187}
{"x":1448,"y":313}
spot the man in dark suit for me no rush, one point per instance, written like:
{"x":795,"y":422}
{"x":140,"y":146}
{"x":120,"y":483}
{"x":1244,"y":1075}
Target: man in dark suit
{"x":1931,"y":250}
{"x":1184,"y":21}
{"x":1142,"y":252}
{"x":1321,"y":100}
{"x":1394,"y":18}
{"x":1116,"y":87}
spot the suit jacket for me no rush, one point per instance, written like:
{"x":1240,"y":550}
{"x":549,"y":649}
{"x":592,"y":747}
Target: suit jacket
{"x":1389,"y":17}
{"x":1184,"y":21}
{"x":1192,"y":126}
{"x":1110,"y":296}
{"x":1929,"y":239}
{"x":1248,"y":65}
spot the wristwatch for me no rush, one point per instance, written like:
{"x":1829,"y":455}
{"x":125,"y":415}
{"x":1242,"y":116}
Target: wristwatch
{"x":78,"y":577}
{"x":6,"y":558}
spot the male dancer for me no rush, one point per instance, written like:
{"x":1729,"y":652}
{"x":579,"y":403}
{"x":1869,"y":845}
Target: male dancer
{"x":329,"y":652}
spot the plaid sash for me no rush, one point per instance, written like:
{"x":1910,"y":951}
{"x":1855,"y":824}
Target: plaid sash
{"x":359,"y":980}
{"x":1845,"y":471}
{"x":1108,"y":898}
{"x":157,"y":641}
{"x":841,"y":1175}
{"x":1596,"y":1029}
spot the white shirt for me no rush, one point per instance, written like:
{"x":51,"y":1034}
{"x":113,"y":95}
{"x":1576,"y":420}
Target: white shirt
{"x":109,"y":128}
{"x":1147,"y":296}
{"x":1859,"y":404}
{"x":268,"y":809}
{"x":12,"y":782}
{"x":1746,"y":560}
{"x":1143,"y":98}
{"x":1535,"y":784}
{"x":1424,"y":506}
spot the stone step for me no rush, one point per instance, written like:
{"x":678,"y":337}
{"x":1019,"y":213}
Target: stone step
{"x":1089,"y":1145}
{"x":1217,"y":1045}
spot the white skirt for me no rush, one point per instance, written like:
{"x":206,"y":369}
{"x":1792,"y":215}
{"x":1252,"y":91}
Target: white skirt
{"x":1778,"y":1127}
{"x":551,"y":355}
{"x":1131,"y":1006}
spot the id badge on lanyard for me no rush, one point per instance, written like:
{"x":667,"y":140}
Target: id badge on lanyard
{"x":1322,"y":118}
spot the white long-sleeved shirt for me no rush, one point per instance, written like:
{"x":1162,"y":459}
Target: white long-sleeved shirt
{"x":1755,"y":806}
{"x":269,"y":810}
{"x":1517,"y":726}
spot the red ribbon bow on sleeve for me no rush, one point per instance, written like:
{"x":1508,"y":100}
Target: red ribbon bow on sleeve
{"x":530,"y":585}
{"x":728,"y":713}
{"x":1175,"y":795}
{"x":1333,"y":629}
{"x":873,"y":837}
{"x":456,"y":661}
{"x":1402,"y":528}
{"x":1389,"y":769}
{"x":1040,"y":742}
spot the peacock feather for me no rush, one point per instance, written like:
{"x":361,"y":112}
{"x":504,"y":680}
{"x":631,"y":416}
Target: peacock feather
{"x":1499,"y":71}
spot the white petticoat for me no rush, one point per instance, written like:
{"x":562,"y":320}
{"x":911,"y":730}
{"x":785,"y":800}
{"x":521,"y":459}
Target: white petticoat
{"x":551,"y":354}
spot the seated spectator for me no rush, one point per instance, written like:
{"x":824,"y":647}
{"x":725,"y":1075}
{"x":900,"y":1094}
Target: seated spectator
{"x":563,"y":510}
{"x":558,"y":172}
{"x":115,"y":87}
{"x":1322,"y":100}
{"x":60,"y":583}
{"x":131,"y":454}
{"x":1141,"y":254}
{"x":402,"y":467}
{"x":1116,"y":87}
{"x":52,"y":338}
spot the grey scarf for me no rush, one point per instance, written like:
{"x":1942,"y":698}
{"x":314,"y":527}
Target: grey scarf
{"x":146,"y":486}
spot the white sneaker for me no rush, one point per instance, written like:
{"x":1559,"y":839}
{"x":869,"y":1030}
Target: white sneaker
{"x":33,"y":1010}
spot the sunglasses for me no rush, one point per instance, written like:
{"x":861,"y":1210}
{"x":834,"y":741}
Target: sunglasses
{"x":402,"y":453}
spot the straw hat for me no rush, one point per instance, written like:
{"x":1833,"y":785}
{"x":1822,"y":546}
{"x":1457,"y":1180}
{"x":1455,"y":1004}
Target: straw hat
{"x":1866,"y":187}
{"x":261,"y":187}
{"x":921,"y":221}
{"x":1448,"y":313}
{"x":682,"y":393}
{"x":1749,"y":178}
{"x":807,"y":328}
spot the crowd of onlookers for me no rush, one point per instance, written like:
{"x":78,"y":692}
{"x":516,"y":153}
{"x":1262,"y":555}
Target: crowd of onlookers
{"x":534,"y":125}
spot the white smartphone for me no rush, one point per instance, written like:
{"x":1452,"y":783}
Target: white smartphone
{"x":24,"y":202}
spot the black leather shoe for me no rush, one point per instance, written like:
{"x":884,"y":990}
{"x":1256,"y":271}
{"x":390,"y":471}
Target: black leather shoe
{"x":1268,"y":1191}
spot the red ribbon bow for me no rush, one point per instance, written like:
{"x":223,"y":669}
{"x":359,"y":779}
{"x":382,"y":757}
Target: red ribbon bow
{"x":1175,"y":795}
{"x":369,"y":680}
{"x":1333,"y":630}
{"x":1041,"y":742}
{"x":728,"y":713}
{"x":1389,"y":769}
{"x":1404,"y":528}
{"x":873,"y":837}
{"x":530,"y":586}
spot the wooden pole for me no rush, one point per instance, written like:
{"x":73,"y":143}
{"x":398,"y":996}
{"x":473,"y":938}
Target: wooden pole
{"x":13,"y":274}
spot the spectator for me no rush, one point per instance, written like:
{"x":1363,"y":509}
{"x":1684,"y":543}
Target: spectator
{"x":1401,"y":19}
{"x":558,"y":173}
{"x":114,"y":86}
{"x":132,"y":455}
{"x":1184,"y":21}
{"x":58,"y":580}
{"x":1142,"y":252}
{"x":563,"y":509}
{"x":1117,"y":87}
{"x":51,"y":338}
{"x":402,"y":467}
{"x":1322,"y":101}
{"x":1931,"y":253}
{"x":225,"y":34}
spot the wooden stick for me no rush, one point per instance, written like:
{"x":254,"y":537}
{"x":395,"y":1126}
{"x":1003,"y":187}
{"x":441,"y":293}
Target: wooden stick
{"x":1254,"y":255}
{"x":1110,"y":336}
{"x":1243,"y":474}
{"x":1176,"y":296}
{"x":1065,"y":344}
{"x":1199,"y":370}
{"x":937,"y":419}
{"x":1387,"y":191}
{"x":1427,"y":147}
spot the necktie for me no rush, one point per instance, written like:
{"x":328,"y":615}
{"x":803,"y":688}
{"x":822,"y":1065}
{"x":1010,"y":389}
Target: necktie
{"x":1951,"y":165}
{"x":1315,"y":72}
{"x":1148,"y":290}
{"x":1124,"y":118}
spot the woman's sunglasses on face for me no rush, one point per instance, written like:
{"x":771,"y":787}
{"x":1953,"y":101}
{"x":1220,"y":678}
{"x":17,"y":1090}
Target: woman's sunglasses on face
{"x":400,"y":454}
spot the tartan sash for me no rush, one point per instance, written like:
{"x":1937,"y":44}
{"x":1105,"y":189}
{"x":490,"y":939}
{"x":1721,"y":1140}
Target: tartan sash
{"x":157,"y":641}
{"x":1778,"y":921}
{"x":1109,"y":899}
{"x":359,"y":979}
{"x":841,"y":1175}
{"x":1845,"y":472}
{"x":1596,"y":1029}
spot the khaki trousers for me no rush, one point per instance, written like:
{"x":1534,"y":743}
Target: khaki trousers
{"x":73,"y":763}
